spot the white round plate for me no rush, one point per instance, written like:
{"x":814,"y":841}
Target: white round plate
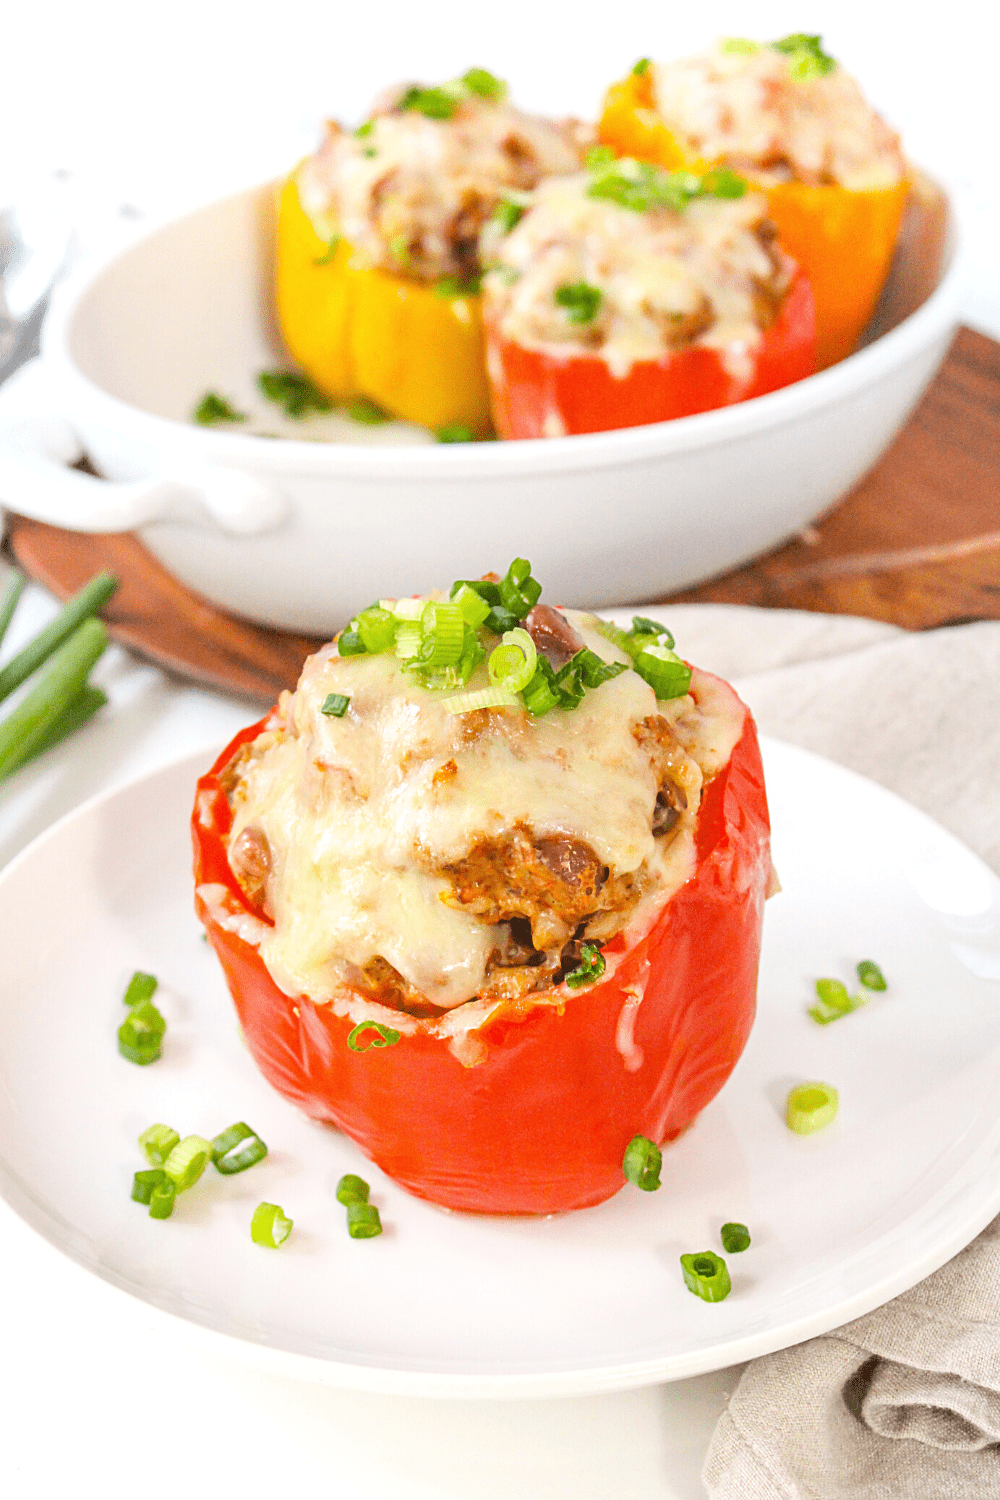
{"x":445,"y":1304}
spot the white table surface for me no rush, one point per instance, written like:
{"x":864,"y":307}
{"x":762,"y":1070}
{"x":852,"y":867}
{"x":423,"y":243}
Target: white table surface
{"x":83,"y":1365}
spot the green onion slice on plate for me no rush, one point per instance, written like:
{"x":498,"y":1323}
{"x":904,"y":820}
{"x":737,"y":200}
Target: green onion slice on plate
{"x":270,"y":1226}
{"x":363,"y":1222}
{"x":236,"y":1149}
{"x":811,"y":1107}
{"x":707,"y":1275}
{"x":735,"y":1238}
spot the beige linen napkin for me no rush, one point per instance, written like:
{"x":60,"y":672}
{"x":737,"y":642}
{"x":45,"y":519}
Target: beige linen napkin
{"x":904,"y":1403}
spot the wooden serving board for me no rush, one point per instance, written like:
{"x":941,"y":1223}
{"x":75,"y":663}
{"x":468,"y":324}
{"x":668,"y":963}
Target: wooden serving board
{"x":917,"y":543}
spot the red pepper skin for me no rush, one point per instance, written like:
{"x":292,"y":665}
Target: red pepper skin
{"x":535,"y":394}
{"x":541,"y":1124}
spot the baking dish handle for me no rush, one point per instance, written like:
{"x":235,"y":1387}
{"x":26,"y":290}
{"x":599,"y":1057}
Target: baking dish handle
{"x":37,"y":444}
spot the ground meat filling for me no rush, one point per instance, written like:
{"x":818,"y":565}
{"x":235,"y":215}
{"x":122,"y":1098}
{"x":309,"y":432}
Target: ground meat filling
{"x":545,"y":894}
{"x":412,"y":194}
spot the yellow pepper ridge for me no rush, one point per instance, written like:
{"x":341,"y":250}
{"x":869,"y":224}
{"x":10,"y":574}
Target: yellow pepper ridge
{"x":360,"y":331}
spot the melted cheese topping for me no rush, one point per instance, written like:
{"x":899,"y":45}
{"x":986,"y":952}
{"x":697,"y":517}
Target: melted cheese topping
{"x":413,"y":193}
{"x":359,"y":825}
{"x":666,"y":278}
{"x":748,"y":110}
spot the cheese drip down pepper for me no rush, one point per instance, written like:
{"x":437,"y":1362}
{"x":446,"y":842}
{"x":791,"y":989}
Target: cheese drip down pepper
{"x":842,"y":237}
{"x":358,"y":330}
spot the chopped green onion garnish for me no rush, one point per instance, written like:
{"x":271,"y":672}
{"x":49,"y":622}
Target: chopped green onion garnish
{"x":368,"y":1035}
{"x":329,"y":254}
{"x":667,"y":675}
{"x":269,"y":1226}
{"x":592,"y":966}
{"x":871,"y":975}
{"x":541,"y":694}
{"x":833,"y":994}
{"x":351,"y":1189}
{"x":639,"y":186}
{"x":735,"y":1238}
{"x":140,"y":1037}
{"x":157,"y":1142}
{"x":834,"y":1001}
{"x":143,"y":1184}
{"x":187,"y":1161}
{"x":473,"y":606}
{"x":512,"y":664}
{"x":580,"y":299}
{"x":738,"y":44}
{"x":642,"y":1162}
{"x":377,"y":629}
{"x":365,"y":129}
{"x":519,"y":592}
{"x":227,"y":1158}
{"x":486,"y":590}
{"x":443,"y":635}
{"x":613,"y":633}
{"x":508,"y":214}
{"x":295,"y":394}
{"x":213,"y":409}
{"x":484,"y":84}
{"x":364,"y":409}
{"x":811,"y":1106}
{"x":806,"y":58}
{"x":140,"y":987}
{"x":363,"y":1222}
{"x":641,"y":625}
{"x":455,"y":432}
{"x":335,"y":705}
{"x":707,"y":1276}
{"x":161,"y":1202}
{"x":642,"y":66}
{"x":467,"y":703}
{"x":409,"y":639}
{"x":349,"y":642}
{"x":454,"y":286}
{"x":435,"y":103}
{"x":722,"y":183}
{"x":410,"y":610}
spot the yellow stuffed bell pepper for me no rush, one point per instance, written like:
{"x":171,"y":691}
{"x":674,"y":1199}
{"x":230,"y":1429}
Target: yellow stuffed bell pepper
{"x":842,"y":238}
{"x":416,"y":350}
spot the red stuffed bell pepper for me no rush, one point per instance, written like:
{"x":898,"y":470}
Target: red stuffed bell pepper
{"x":602,"y":1002}
{"x":631,"y":295}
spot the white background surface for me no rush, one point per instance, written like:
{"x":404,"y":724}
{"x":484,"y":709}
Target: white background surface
{"x":161,"y":107}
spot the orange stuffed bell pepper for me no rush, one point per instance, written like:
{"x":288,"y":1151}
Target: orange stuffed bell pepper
{"x":522,"y":933}
{"x":630,"y":295}
{"x":377,"y":272}
{"x":794,"y":123}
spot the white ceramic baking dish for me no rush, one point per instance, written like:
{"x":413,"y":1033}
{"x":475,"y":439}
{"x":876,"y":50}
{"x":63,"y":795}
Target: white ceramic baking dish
{"x":301,"y":534}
